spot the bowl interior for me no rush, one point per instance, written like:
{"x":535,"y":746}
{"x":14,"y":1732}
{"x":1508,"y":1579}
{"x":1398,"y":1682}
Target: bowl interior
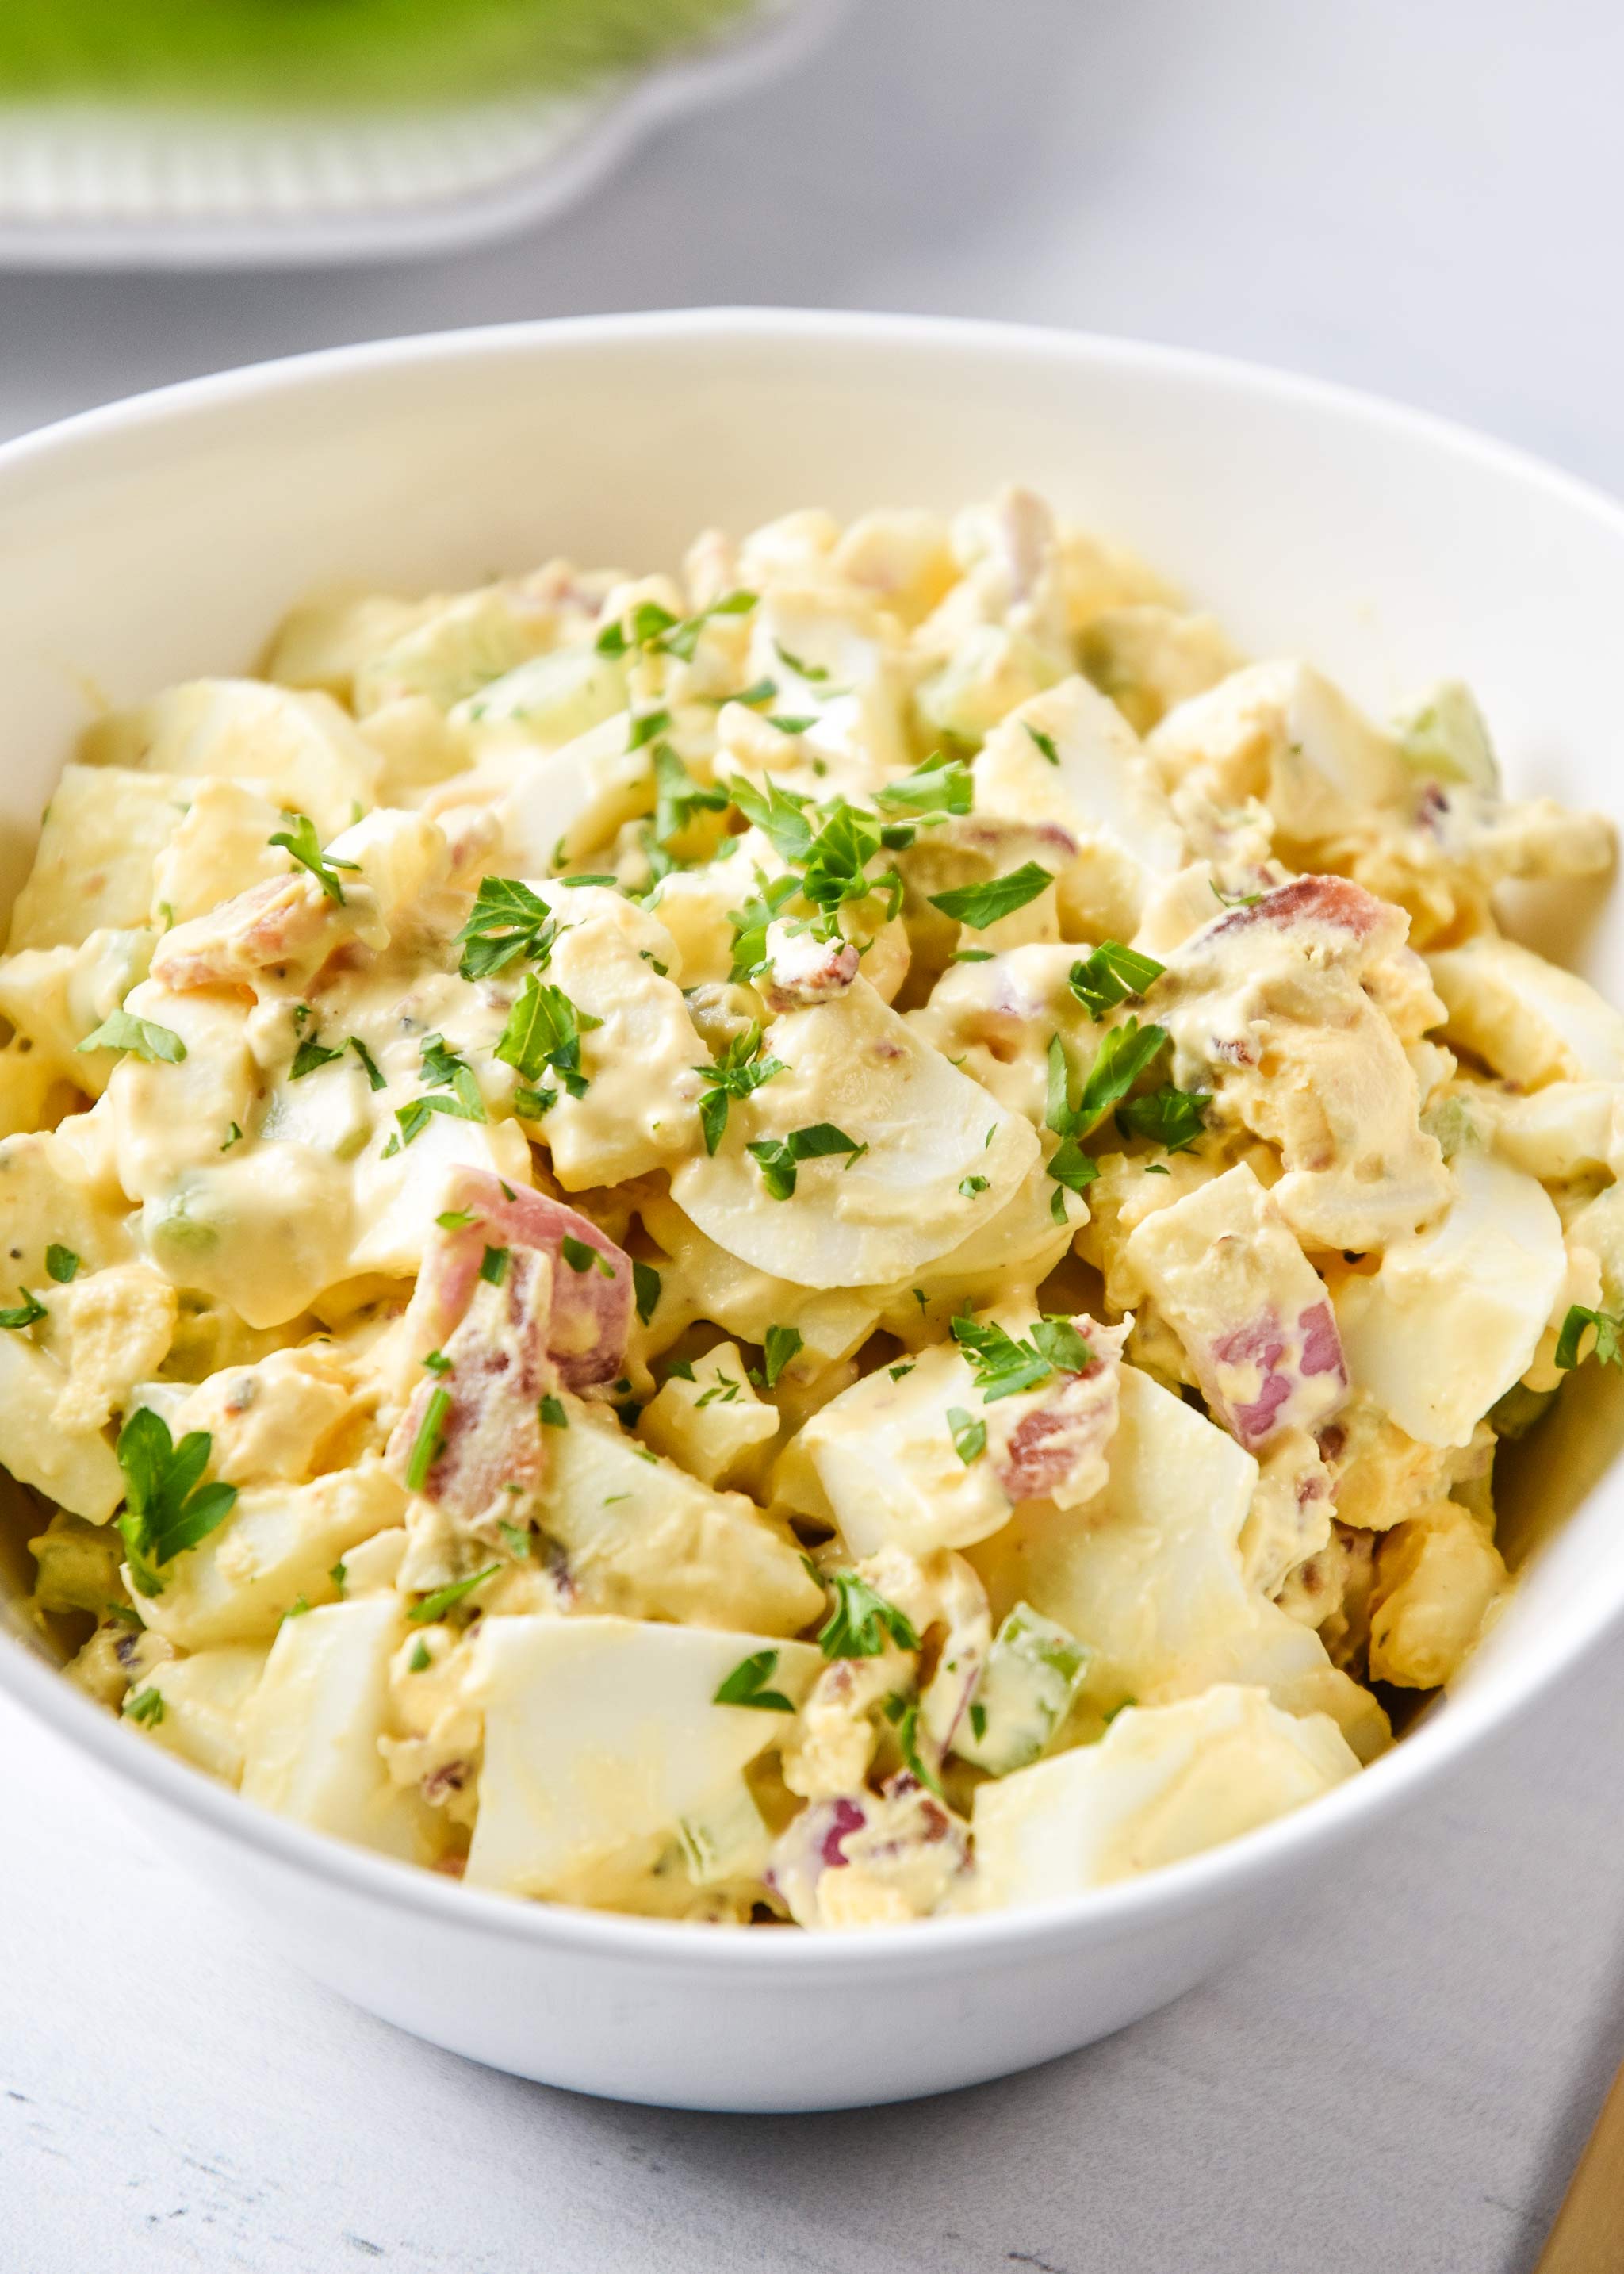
{"x":161,"y":540}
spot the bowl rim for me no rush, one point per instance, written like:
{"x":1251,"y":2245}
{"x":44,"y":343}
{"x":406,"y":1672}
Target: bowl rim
{"x":1219,"y":1875}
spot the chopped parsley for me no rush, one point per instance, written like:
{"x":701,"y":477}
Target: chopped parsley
{"x":1124,"y":1054}
{"x":23,"y":1314}
{"x":420,"y":1661}
{"x":1005,"y":1367}
{"x":167,"y":1510}
{"x":338,"y":1574}
{"x":309,"y":1056}
{"x":234,"y":1136}
{"x":1109,"y":974}
{"x":435,"y":1606}
{"x":426,"y":1444}
{"x":143,"y":1038}
{"x":651,"y":626}
{"x":1045,"y":742}
{"x":1608,"y":1346}
{"x":1169,"y":1116}
{"x":903,"y":1714}
{"x":941,"y":785}
{"x":745,"y":1685}
{"x":508,"y":922}
{"x":861,"y":1621}
{"x":679,"y":797}
{"x":580,"y":1255}
{"x":494,"y":1266}
{"x":816,"y":675}
{"x":980,"y":905}
{"x":544,"y":1032}
{"x":790,"y":726}
{"x":146,"y":1706}
{"x":781,"y":1345}
{"x":437,"y":1362}
{"x":737,"y":1072}
{"x":61,"y":1262}
{"x":749,"y":924}
{"x":779,"y":1158}
{"x":551,"y":1413}
{"x":298,"y":841}
{"x":647,"y":729}
{"x":369,"y":1064}
{"x":969,"y":1435}
{"x":645,"y":1289}
{"x":454,"y":1219}
{"x":969,"y":1186}
{"x":1073,"y":1169}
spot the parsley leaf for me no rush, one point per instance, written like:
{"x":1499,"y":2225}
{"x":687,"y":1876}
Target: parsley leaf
{"x":435,"y":1606}
{"x":494,"y":1266}
{"x":648,"y":729}
{"x":745,"y":1685}
{"x":645,"y":1289}
{"x":426,"y":1444}
{"x":1608,"y":1346}
{"x":903,"y":1714}
{"x":166,"y":1510}
{"x":369,"y":1064}
{"x":814,"y":673}
{"x":779,"y":814}
{"x":141,"y":1037}
{"x":551,"y":1412}
{"x":1169,"y":1116}
{"x":647,"y":621}
{"x":1107,"y":977}
{"x":940,"y":785}
{"x":1045,"y":742}
{"x":580,"y":1255}
{"x":862,"y":1620}
{"x":62,"y":1264}
{"x":310,"y":1056}
{"x":23,"y":1314}
{"x":544,"y":1030}
{"x":1124,"y":1054}
{"x":980,"y":905}
{"x":780,"y":1158}
{"x":749,"y":924}
{"x":1005,"y":1367}
{"x":508,"y":922}
{"x":679,"y":797}
{"x":145,"y":1705}
{"x":737,"y":1072}
{"x":300,"y":843}
{"x":781,"y":1345}
{"x":969,"y":1437}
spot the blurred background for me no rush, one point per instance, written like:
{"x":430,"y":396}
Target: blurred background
{"x":1413,"y":199}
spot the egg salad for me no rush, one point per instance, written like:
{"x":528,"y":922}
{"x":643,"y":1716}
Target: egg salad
{"x":837,"y":1239}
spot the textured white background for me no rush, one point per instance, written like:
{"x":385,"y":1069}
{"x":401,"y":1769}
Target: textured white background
{"x":1421,"y":200}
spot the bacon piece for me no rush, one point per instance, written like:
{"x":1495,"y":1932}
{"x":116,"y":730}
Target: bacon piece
{"x":1056,"y":1449}
{"x":491,"y":1456}
{"x":865,"y":1856}
{"x":1281,"y":1359}
{"x":586,"y":1328}
{"x":802,"y":971}
{"x":1332,"y":901}
{"x":282,"y":923}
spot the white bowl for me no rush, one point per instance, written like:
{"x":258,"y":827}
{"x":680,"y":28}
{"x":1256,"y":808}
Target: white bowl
{"x":162,"y":537}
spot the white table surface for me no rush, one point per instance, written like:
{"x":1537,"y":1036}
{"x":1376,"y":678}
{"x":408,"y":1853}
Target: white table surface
{"x":1420,"y":199}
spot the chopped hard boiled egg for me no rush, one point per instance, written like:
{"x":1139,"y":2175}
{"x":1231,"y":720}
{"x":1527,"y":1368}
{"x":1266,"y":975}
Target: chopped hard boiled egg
{"x":799,"y":1242}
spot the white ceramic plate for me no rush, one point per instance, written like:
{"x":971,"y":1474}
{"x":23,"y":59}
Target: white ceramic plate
{"x":162,"y":537}
{"x":124,"y":187}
